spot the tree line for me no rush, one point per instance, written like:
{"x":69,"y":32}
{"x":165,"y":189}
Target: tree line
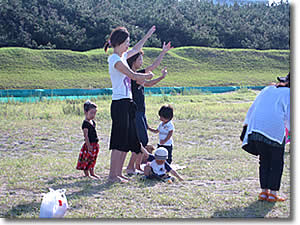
{"x":86,"y":24}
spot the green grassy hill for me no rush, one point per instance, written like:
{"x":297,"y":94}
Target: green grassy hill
{"x":22,"y":68}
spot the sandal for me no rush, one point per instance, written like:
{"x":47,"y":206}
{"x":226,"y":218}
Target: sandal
{"x":130,"y":172}
{"x":275,"y":198}
{"x":139,"y":172}
{"x":263,"y":196}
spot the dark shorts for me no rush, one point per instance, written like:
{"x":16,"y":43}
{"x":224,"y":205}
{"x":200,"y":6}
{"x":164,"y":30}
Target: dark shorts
{"x":142,"y":127}
{"x":123,"y":132}
{"x":157,"y":177}
{"x":169,"y":149}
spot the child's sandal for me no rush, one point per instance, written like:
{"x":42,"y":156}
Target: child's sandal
{"x":130,"y":172}
{"x":275,"y":198}
{"x":263,"y":196}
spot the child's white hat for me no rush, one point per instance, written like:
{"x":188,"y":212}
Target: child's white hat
{"x":161,"y":153}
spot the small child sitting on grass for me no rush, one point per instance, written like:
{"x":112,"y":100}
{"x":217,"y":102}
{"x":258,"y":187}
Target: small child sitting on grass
{"x":157,"y":167}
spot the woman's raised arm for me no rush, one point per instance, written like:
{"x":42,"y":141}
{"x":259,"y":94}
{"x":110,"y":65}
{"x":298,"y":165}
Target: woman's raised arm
{"x":138,"y":46}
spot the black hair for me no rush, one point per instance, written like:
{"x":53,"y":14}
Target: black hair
{"x":166,"y":111}
{"x":88,"y":105}
{"x":284,"y":81}
{"x":288,"y":80}
{"x":117,"y":37}
{"x":133,"y":58}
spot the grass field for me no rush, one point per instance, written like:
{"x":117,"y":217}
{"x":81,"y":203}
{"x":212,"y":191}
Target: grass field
{"x":40,"y":142}
{"x":22,"y":68}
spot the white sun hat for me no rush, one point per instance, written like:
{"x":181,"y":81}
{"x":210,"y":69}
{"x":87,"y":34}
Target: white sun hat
{"x":161,"y":153}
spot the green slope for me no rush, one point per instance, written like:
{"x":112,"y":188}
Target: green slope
{"x":22,"y":68}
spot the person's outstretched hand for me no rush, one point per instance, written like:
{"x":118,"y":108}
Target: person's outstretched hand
{"x":167,"y":47}
{"x":164,"y":72}
{"x":151,"y":31}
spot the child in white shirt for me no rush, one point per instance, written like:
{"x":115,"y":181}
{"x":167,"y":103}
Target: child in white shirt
{"x":165,"y":130}
{"x":157,"y":167}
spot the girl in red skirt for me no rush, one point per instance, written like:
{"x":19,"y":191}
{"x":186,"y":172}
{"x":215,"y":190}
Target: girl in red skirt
{"x":89,"y":151}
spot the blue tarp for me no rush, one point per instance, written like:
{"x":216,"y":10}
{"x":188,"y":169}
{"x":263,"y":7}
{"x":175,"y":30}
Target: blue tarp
{"x":32,"y":95}
{"x":54,"y":92}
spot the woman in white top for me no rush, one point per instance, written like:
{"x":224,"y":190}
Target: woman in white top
{"x":264,"y":129}
{"x":123,"y":134}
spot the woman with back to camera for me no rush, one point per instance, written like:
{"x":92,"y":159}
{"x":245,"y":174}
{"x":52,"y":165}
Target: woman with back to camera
{"x":264,"y":129}
{"x":123,"y":133}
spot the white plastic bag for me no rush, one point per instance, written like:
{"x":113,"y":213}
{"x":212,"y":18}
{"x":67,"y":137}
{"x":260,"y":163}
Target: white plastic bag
{"x":54,"y":204}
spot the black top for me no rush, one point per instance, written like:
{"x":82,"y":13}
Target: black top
{"x":92,"y":133}
{"x":138,"y":94}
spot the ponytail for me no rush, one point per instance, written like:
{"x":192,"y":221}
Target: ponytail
{"x":106,"y":45}
{"x":117,"y":37}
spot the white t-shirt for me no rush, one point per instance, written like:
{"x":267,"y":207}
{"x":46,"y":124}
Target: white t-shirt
{"x":159,"y":169}
{"x":269,"y":114}
{"x":164,"y":130}
{"x":121,"y":84}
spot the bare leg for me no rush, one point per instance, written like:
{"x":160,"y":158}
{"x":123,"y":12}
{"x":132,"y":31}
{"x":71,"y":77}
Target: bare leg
{"x":114,"y":165}
{"x":130,"y":168}
{"x":92,"y":172}
{"x":120,"y":166}
{"x":138,"y":161}
{"x":86,"y":173}
{"x":147,"y":170}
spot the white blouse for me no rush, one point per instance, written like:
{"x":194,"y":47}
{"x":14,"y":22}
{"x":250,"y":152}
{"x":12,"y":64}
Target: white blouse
{"x":269,"y":114}
{"x":121,"y":84}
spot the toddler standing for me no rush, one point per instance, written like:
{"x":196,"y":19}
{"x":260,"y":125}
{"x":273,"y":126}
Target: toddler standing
{"x":89,"y":151}
{"x":165,"y":130}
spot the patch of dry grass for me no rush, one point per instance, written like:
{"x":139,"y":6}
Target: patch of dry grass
{"x":221,"y":180}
